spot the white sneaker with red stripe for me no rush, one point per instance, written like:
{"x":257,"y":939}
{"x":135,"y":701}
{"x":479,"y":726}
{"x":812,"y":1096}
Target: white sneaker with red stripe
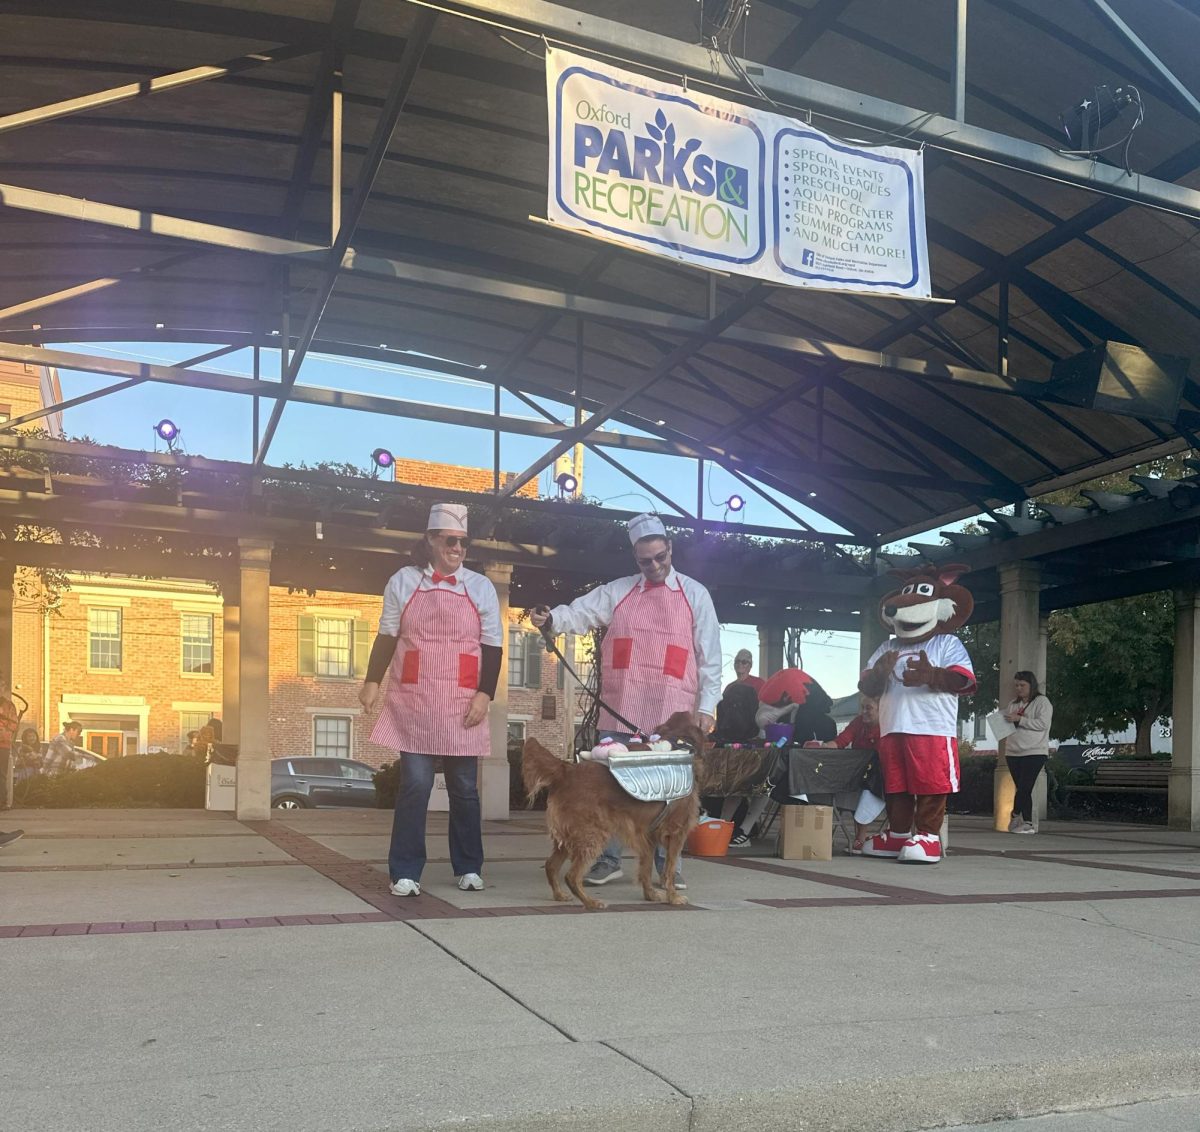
{"x":885,"y":844}
{"x":922,"y":849}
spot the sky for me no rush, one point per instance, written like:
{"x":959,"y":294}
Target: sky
{"x":219,"y":426}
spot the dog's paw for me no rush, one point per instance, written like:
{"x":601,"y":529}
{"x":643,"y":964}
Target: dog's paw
{"x":656,"y":895}
{"x":595,"y":905}
{"x":561,"y":897}
{"x":678,"y":898}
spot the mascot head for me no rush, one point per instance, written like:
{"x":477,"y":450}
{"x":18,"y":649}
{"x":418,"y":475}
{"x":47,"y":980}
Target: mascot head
{"x":927,"y":603}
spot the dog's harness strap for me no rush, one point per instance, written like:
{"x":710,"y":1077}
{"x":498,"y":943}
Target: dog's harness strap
{"x":548,"y":637}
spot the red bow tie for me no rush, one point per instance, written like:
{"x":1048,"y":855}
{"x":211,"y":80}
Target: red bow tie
{"x":444,"y":578}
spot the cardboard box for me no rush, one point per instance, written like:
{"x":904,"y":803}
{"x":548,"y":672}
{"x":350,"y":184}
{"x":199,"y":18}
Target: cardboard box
{"x":806,"y":833}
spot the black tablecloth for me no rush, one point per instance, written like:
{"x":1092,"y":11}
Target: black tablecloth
{"x":825,"y":771}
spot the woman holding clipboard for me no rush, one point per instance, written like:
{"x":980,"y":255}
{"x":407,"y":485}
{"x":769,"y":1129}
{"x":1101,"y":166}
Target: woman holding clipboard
{"x":1028,"y":747}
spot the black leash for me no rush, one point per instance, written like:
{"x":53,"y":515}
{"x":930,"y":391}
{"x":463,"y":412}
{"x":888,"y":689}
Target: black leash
{"x":548,"y":637}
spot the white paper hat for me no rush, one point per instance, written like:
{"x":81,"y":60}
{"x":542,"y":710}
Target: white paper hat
{"x":447,"y":517}
{"x":645,"y":526}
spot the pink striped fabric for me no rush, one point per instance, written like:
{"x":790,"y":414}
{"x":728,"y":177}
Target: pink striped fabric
{"x":649,"y":658}
{"x":432,"y":678}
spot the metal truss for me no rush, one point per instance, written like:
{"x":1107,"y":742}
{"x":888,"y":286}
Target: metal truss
{"x":574,"y":27}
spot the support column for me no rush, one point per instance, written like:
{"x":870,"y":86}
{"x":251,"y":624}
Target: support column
{"x":871,"y":634}
{"x":254,"y":684}
{"x":1020,"y":648}
{"x":493,"y":772}
{"x":1183,"y":785}
{"x":770,"y":649}
{"x":7,"y":573}
{"x":230,"y":672}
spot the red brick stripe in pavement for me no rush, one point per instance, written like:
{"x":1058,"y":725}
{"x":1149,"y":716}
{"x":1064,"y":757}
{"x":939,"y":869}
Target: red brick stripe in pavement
{"x":370,"y":885}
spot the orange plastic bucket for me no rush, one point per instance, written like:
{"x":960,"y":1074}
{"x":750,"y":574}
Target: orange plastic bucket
{"x":710,"y":838}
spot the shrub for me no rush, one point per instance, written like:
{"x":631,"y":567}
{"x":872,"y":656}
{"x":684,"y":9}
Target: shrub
{"x":975,"y":795}
{"x":167,"y":781}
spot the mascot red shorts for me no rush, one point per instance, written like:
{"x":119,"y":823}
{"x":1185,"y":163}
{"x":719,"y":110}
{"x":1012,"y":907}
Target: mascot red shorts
{"x":919,"y":764}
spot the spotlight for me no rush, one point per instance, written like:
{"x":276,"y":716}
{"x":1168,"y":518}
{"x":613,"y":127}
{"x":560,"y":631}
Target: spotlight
{"x":382,"y":458}
{"x":734,"y":503}
{"x":1082,"y":122}
{"x":167,"y":430}
{"x":567,"y":483}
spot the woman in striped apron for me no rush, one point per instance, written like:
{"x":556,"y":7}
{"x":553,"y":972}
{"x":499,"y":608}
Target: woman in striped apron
{"x":440,"y":634}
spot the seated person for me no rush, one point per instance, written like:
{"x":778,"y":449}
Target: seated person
{"x":861,"y":733}
{"x":735,"y":724}
{"x":742,"y":663}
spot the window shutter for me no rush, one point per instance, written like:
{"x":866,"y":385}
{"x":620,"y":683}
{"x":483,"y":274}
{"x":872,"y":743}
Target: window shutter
{"x":533,"y":660}
{"x":361,"y":635}
{"x":308,"y":645}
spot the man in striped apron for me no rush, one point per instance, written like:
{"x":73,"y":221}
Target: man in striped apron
{"x":661,"y":653}
{"x":441,"y":622}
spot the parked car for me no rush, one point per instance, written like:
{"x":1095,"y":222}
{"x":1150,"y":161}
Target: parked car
{"x":302,"y":783}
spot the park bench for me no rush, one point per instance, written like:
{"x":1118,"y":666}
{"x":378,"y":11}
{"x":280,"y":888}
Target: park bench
{"x":1123,"y":776}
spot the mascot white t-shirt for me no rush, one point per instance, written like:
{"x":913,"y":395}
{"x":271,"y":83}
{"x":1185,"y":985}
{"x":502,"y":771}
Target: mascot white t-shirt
{"x":922,"y":711}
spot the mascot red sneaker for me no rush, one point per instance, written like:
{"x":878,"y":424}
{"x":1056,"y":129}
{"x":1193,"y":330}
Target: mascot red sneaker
{"x":918,"y":676}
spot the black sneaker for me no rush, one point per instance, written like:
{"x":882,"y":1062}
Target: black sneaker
{"x":9,"y":838}
{"x":739,"y":839}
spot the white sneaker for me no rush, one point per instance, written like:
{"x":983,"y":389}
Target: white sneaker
{"x":404,"y":887}
{"x":1026,"y":827}
{"x":1015,"y":823}
{"x":470,"y":882}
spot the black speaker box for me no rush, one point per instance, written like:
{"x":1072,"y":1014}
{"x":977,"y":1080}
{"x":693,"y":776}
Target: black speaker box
{"x":1115,"y":377}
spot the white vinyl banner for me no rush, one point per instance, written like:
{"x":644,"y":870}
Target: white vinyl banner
{"x":725,"y":186}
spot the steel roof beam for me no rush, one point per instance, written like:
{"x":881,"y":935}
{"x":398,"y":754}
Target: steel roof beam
{"x":385,"y":127}
{"x":572,"y":26}
{"x":156,"y":223}
{"x":1184,"y":97}
{"x":128,"y":91}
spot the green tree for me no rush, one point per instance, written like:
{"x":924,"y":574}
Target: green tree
{"x":1111,"y":664}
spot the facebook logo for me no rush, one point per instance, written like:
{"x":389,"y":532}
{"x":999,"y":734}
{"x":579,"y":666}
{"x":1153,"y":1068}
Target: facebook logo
{"x":808,"y":258}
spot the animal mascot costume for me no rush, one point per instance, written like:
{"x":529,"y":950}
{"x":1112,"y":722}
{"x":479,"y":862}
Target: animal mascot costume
{"x":918,"y":676}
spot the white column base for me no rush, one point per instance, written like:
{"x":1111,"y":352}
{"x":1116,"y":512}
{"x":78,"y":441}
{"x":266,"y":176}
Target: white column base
{"x":493,"y":789}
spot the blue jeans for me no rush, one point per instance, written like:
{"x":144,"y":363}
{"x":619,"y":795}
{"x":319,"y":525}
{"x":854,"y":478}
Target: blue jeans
{"x":611,"y":853}
{"x":406,"y":857}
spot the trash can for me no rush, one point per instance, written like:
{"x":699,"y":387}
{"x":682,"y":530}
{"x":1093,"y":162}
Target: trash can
{"x":220,"y":787}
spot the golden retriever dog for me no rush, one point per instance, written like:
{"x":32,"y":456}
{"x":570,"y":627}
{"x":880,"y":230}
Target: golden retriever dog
{"x":586,"y":806}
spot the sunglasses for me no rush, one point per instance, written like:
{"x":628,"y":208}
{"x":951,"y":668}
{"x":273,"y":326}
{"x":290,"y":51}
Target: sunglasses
{"x":660,"y":559}
{"x":456,"y":540}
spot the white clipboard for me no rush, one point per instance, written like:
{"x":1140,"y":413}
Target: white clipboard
{"x":999,"y":726}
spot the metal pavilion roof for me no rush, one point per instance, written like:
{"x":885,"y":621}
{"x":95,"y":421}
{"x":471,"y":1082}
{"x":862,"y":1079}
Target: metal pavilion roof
{"x":199,"y":209}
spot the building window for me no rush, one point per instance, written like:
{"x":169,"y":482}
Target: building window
{"x":191,"y":721}
{"x":331,"y":737}
{"x":5,"y":414}
{"x":980,"y":727}
{"x":196,"y":630}
{"x":524,"y":659}
{"x":516,"y":731}
{"x":104,"y":640}
{"x":334,"y":644}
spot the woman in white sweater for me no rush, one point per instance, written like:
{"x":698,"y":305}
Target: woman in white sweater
{"x":1028,"y":747}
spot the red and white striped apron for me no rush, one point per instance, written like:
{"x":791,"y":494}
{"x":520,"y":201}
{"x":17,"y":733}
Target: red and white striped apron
{"x":648,"y":661}
{"x":433,"y":677}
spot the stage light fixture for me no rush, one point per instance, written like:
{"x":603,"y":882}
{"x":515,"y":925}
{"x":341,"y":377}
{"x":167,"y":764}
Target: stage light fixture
{"x":382,"y":458}
{"x":567,"y":483}
{"x":735,"y":503}
{"x":167,"y":430}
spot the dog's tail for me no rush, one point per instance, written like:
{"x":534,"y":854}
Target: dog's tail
{"x":540,"y":770}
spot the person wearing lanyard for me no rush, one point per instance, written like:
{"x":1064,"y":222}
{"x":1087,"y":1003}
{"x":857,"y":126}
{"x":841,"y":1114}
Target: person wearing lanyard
{"x":441,"y":622}
{"x":661,"y":653}
{"x":1027,"y":749}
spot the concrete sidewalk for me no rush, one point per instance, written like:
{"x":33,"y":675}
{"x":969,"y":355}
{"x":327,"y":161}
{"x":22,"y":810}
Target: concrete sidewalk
{"x":182,"y":969}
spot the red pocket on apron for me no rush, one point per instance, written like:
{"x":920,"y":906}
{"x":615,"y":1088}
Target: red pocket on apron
{"x":468,"y":671}
{"x":675,"y":662}
{"x":622,"y":652}
{"x":410,"y":669}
